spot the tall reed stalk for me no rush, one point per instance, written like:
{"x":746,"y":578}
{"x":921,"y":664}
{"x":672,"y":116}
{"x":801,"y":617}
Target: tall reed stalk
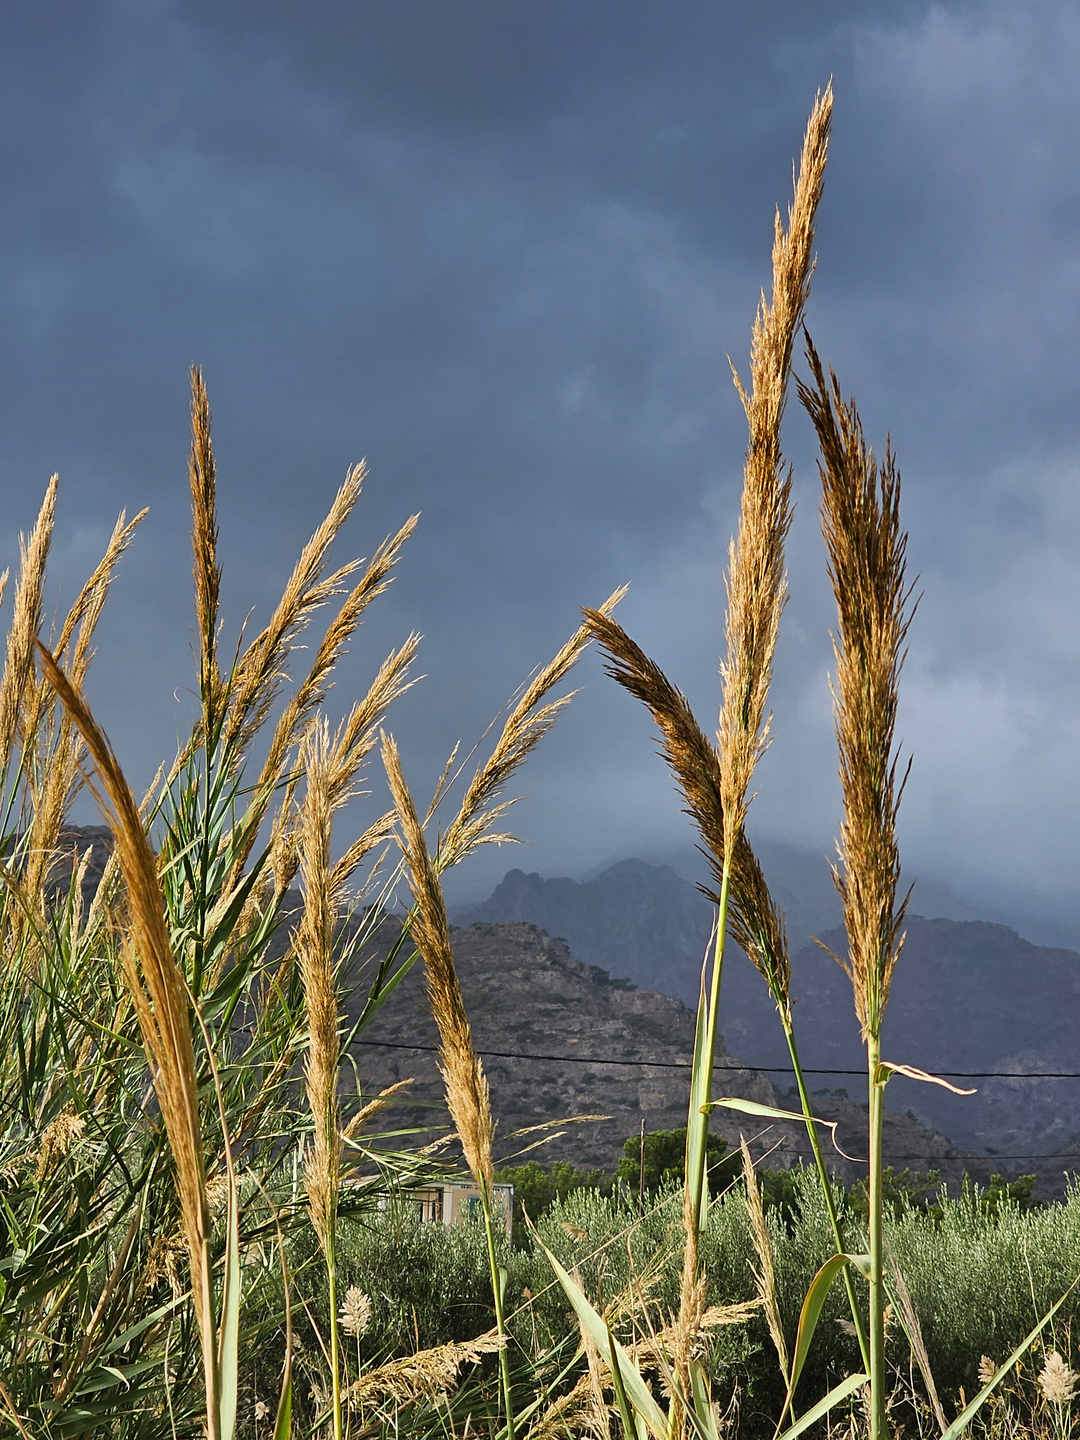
{"x":716,"y":778}
{"x":467,"y":1096}
{"x":159,"y":994}
{"x":860,"y":515}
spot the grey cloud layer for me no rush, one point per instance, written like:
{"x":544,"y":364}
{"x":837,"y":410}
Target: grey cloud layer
{"x":502,"y":251}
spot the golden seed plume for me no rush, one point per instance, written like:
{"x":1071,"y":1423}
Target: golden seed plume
{"x":355,"y":741}
{"x":259,"y":671}
{"x":311,"y":693}
{"x":55,"y":777}
{"x":467,"y":1095}
{"x":206,"y":571}
{"x":756,"y":922}
{"x":756,"y":584}
{"x":428,"y":1374}
{"x":159,"y":995}
{"x":314,"y":951}
{"x":1057,"y":1380}
{"x":860,"y":517}
{"x":526,"y":726}
{"x":25,"y":625}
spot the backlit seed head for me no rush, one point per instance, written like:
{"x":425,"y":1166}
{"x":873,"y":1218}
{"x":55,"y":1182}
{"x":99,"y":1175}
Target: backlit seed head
{"x":1056,"y":1380}
{"x":355,"y":1311}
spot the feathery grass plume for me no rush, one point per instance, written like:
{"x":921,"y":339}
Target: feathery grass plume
{"x":765,"y":1274}
{"x":860,"y":516}
{"x":867,"y":566}
{"x":1057,"y":1380}
{"x":717,"y":780}
{"x":357,"y":739}
{"x":206,"y":571}
{"x":25,"y":624}
{"x":756,"y":584}
{"x":55,"y":777}
{"x":355,"y":1311}
{"x":314,"y":950}
{"x":573,"y":1413}
{"x":525,"y":727}
{"x":693,"y":760}
{"x":389,"y":684}
{"x":312,"y":690}
{"x":467,"y":1096}
{"x":427,"y":1375}
{"x":329,"y":771}
{"x":159,"y":996}
{"x":259,"y":671}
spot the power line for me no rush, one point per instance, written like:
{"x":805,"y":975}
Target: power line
{"x":786,"y":1070}
{"x":752,"y":1069}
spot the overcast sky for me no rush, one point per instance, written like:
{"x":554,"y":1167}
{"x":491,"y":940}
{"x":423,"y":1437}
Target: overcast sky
{"x":501,"y":249}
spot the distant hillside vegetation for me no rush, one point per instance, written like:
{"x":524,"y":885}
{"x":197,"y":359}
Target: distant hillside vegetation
{"x":967,"y":995}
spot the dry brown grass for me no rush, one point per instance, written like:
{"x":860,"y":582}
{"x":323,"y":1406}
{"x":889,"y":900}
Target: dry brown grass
{"x":315,"y":955}
{"x":51,"y":743}
{"x":757,"y":924}
{"x":756,"y":584}
{"x":428,"y":1374}
{"x":527,"y":724}
{"x":206,"y":571}
{"x":866,"y":546}
{"x":159,"y":995}
{"x":765,"y":1274}
{"x":26,"y":620}
{"x":467,"y":1096}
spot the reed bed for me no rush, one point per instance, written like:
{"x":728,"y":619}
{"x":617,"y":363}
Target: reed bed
{"x":202,"y":1232}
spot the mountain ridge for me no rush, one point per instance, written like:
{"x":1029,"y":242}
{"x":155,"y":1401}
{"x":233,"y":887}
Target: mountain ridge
{"x":967,"y":995}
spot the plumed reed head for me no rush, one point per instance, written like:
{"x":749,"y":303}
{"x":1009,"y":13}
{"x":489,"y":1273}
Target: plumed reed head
{"x":756,"y":584}
{"x":526,"y":726}
{"x":159,"y":994}
{"x":860,"y":517}
{"x":467,"y":1096}
{"x":25,"y":625}
{"x":428,"y":1374}
{"x":258,"y":673}
{"x":315,"y":956}
{"x":756,"y":923}
{"x":206,"y":572}
{"x":52,"y":741}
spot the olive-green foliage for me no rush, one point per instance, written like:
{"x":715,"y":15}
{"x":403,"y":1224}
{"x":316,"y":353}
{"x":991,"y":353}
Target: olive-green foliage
{"x":427,"y":1283}
{"x":980,"y":1269}
{"x":664,"y":1154}
{"x":536,"y":1189}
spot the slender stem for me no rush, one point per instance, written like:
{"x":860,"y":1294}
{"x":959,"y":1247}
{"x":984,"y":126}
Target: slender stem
{"x":827,"y":1192}
{"x":697,"y":1133}
{"x":335,"y":1351}
{"x":877,"y":1291}
{"x":497,"y":1291}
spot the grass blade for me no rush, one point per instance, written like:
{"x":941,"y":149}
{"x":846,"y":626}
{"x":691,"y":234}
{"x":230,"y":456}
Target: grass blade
{"x":612,"y":1352}
{"x":836,"y":1394}
{"x":811,"y":1310}
{"x":964,"y":1419}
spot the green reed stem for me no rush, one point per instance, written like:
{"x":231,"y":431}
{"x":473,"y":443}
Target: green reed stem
{"x":335,"y":1341}
{"x":497,"y":1278}
{"x":697,"y":1125}
{"x":827,"y":1191}
{"x":876,"y":1086}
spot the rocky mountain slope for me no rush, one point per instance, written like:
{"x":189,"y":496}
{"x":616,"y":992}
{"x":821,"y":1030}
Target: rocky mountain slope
{"x":527,"y":994}
{"x":967,"y":995}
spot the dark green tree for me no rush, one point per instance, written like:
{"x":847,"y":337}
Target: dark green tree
{"x":664,"y":1153}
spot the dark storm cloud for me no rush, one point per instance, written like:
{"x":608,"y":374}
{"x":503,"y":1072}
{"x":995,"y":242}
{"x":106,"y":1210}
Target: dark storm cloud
{"x":502,"y":249}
